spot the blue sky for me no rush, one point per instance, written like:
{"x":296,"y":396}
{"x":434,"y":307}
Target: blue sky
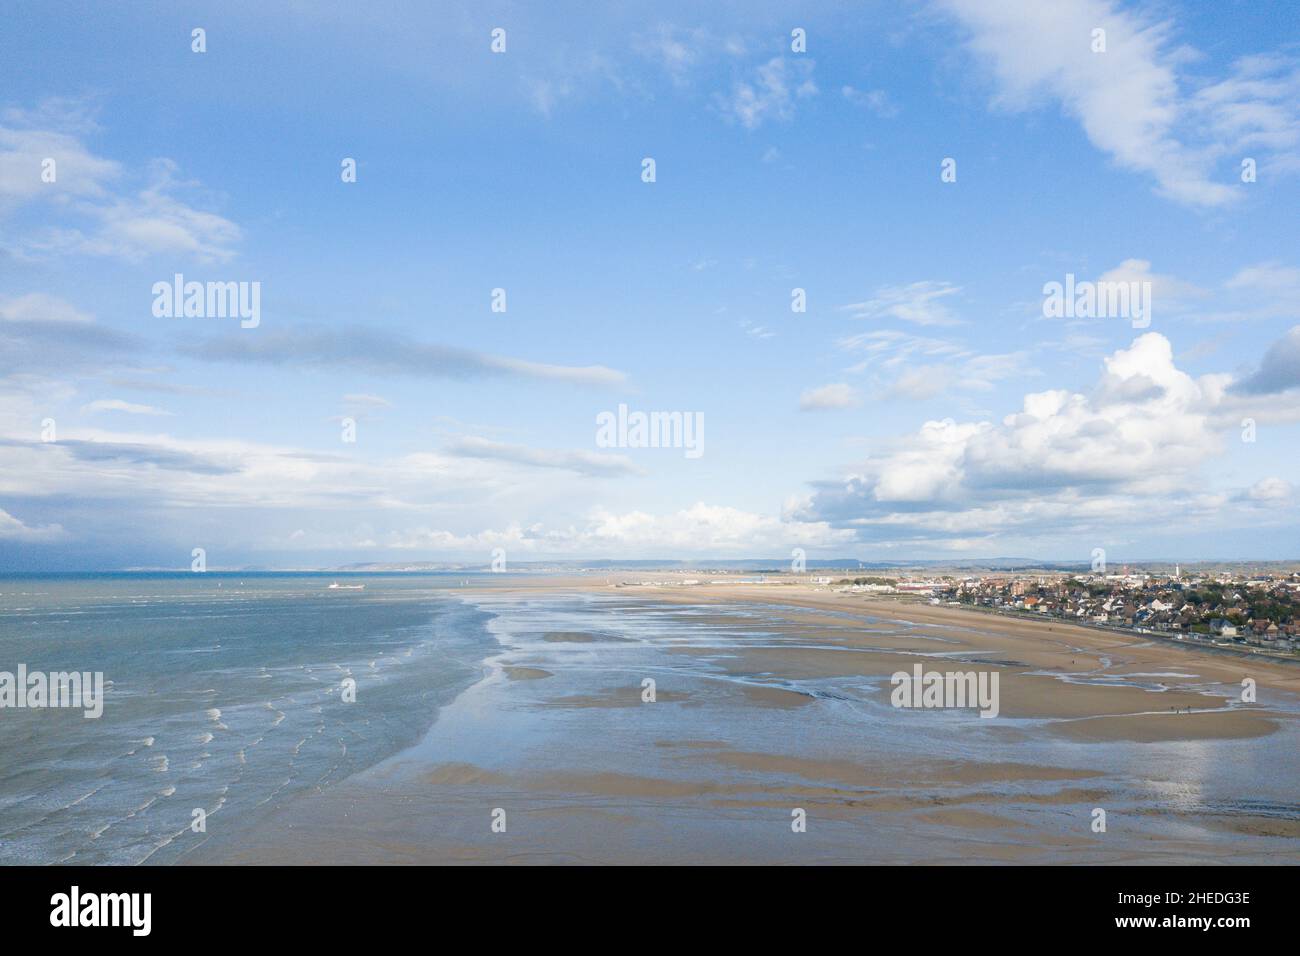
{"x":922,"y":406}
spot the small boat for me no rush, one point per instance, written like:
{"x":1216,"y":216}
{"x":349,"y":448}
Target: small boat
{"x":346,"y":587}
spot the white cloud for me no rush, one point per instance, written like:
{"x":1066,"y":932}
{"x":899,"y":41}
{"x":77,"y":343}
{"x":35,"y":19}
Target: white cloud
{"x":568,"y":74}
{"x":877,"y":101}
{"x":1164,"y":288}
{"x":1134,"y":101}
{"x":771,"y":92}
{"x":918,"y":367}
{"x":892,"y":347}
{"x":39,"y":307}
{"x":1255,"y":109}
{"x":79,"y":174}
{"x":675,"y":49}
{"x":701,"y":530}
{"x":98,"y":216}
{"x":837,"y":395}
{"x":1269,"y":490}
{"x":1130,"y":450}
{"x":117,"y":405}
{"x":580,"y":461}
{"x":154,"y":221}
{"x":11,"y":529}
{"x":920,"y":383}
{"x":1266,"y":276}
{"x":370,"y":401}
{"x":921,"y":303}
{"x":1260,"y":291}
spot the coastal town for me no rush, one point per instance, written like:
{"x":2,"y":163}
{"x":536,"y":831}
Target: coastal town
{"x":1255,"y":610}
{"x":1252,"y":611}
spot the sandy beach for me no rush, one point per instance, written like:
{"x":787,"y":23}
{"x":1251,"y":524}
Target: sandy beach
{"x":768,"y":703}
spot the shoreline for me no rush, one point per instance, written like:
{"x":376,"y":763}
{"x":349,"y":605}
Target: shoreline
{"x":769,"y":701}
{"x":795,"y":596}
{"x":1163,"y":636}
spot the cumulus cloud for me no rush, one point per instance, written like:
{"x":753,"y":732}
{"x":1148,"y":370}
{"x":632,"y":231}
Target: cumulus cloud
{"x":1134,"y":442}
{"x":1269,"y":490}
{"x":1125,"y":452}
{"x":702,"y":530}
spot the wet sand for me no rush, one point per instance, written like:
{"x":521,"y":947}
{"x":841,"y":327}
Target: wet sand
{"x":768,"y":703}
{"x":1038,"y":659}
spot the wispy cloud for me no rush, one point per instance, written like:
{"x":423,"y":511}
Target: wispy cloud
{"x":875,"y":101}
{"x":917,"y":367}
{"x":381,"y":353}
{"x":756,"y":331}
{"x":921,"y":303}
{"x":770,"y":93}
{"x":1132,"y":100}
{"x":118,"y":405}
{"x":582,"y":462}
{"x":28,"y":139}
{"x":94,"y":209}
{"x":42,"y":333}
{"x":676,"y":49}
{"x":827,"y":397}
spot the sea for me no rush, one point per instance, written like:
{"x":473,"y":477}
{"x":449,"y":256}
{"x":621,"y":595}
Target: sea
{"x":271,"y":717}
{"x":224,"y":699}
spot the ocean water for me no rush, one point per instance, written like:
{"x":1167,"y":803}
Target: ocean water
{"x":223,"y":693}
{"x":227,"y":696}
